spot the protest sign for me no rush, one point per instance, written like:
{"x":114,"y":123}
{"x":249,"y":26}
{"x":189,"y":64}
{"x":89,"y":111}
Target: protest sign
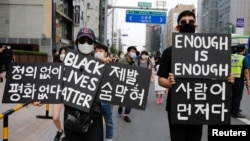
{"x":201,"y":101}
{"x":81,"y":79}
{"x":124,"y":85}
{"x":201,"y":64}
{"x":29,"y":82}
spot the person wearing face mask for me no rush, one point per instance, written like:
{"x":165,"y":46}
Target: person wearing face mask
{"x":144,"y":60}
{"x":85,"y":43}
{"x":119,"y":56}
{"x":57,"y":108}
{"x":179,"y":132}
{"x":101,"y":51}
{"x":130,"y":60}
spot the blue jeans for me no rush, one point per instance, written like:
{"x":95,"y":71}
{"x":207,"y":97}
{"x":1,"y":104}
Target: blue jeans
{"x":107,"y":114}
{"x":127,"y":110}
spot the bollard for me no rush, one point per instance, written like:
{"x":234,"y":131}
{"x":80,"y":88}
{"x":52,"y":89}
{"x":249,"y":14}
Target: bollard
{"x":5,"y":117}
{"x":5,"y":128}
{"x":46,"y":116}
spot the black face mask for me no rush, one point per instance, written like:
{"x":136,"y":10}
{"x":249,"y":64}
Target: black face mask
{"x":187,"y":28}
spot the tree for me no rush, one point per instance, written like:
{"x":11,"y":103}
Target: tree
{"x":113,"y":50}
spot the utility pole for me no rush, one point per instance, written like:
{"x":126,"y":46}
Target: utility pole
{"x":103,"y":19}
{"x":53,"y":34}
{"x":112,"y":31}
{"x":105,"y":22}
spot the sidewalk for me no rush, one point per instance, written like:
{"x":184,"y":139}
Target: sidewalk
{"x":27,"y":127}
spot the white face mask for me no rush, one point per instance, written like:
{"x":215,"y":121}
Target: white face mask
{"x":99,"y":55}
{"x":122,"y":56}
{"x":62,"y":57}
{"x":144,"y":56}
{"x":85,"y":48}
{"x":132,"y":55}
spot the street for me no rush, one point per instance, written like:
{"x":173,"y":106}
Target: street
{"x":148,"y":125}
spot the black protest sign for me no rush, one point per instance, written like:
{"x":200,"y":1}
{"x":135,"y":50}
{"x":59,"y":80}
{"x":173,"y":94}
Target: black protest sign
{"x":201,"y":55}
{"x":201,"y":64}
{"x":201,"y":101}
{"x":81,"y":80}
{"x":29,"y":82}
{"x":124,"y":85}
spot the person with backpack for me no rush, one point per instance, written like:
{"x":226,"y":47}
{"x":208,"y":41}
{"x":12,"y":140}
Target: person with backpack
{"x":144,"y":60}
{"x":129,"y":60}
{"x":80,"y":125}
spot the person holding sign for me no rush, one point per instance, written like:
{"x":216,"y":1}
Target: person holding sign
{"x":130,"y":60}
{"x":240,"y":70}
{"x":80,"y":125}
{"x":179,"y":132}
{"x":58,"y":107}
{"x":101,"y":51}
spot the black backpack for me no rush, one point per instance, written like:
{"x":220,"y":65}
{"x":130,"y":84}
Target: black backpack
{"x":8,"y":54}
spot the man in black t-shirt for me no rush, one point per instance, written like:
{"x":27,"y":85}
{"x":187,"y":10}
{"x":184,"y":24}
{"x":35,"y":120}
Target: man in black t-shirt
{"x":179,"y":132}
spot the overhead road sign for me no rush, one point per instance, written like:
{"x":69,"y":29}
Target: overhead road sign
{"x":149,"y":17}
{"x":145,"y":4}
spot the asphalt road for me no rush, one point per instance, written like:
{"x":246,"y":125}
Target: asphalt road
{"x":148,"y":125}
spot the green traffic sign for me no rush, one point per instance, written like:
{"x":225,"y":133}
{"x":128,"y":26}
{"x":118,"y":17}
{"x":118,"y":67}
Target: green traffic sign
{"x":140,"y":12}
{"x":145,"y":4}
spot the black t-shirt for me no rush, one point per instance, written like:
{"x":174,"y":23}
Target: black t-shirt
{"x":8,"y":54}
{"x":165,"y":69}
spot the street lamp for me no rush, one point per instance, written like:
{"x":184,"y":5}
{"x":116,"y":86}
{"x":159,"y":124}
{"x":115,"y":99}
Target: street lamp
{"x":121,"y":35}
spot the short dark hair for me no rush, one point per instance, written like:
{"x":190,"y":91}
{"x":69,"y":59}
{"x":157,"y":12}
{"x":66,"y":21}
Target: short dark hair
{"x":185,"y":13}
{"x":130,"y":48}
{"x":63,"y":48}
{"x":101,"y":46}
{"x":144,"y":52}
{"x":240,"y":47}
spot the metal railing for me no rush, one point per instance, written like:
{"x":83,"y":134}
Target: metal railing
{"x":5,"y":117}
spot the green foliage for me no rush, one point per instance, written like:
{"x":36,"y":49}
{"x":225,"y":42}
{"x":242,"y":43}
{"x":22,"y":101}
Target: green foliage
{"x":113,"y":50}
{"x":26,"y":52}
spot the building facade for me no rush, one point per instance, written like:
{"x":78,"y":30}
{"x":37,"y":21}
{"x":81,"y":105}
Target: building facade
{"x":153,"y":38}
{"x":44,"y":25}
{"x":224,"y":16}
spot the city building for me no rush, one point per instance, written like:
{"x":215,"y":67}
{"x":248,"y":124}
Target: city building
{"x":153,"y":38}
{"x":224,"y":16}
{"x":44,"y":25}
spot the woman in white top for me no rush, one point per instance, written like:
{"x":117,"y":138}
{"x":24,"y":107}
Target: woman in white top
{"x":159,"y":90}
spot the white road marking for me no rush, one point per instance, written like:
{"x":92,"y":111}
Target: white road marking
{"x":244,"y":120}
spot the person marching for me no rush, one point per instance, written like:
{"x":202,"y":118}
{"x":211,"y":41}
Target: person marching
{"x":130,"y":60}
{"x":57,"y":108}
{"x":101,"y":51}
{"x":93,"y":129}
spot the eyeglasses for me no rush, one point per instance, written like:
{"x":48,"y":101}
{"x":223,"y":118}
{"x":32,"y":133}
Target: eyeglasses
{"x":90,"y":42}
{"x":187,"y":22}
